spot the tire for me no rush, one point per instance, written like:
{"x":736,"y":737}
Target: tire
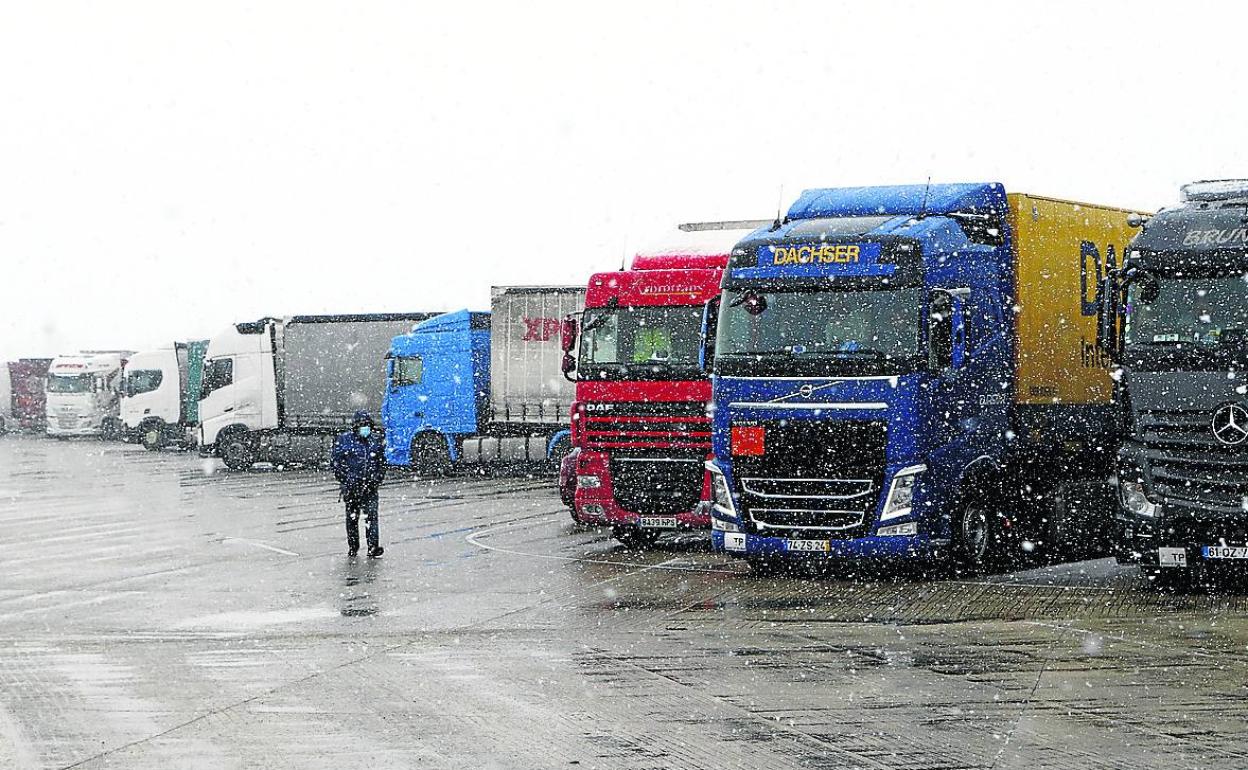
{"x":153,"y":436}
{"x":979,"y":543}
{"x":634,"y":538}
{"x":430,"y":456}
{"x":238,"y":451}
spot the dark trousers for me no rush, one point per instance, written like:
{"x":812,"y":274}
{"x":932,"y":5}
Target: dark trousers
{"x":366,"y":504}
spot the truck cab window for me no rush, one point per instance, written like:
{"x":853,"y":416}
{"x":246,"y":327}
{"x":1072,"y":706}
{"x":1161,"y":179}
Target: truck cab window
{"x":142,"y":381}
{"x":218,"y":374}
{"x":408,"y":370}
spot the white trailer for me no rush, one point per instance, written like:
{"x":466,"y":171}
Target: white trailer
{"x":6,"y":400}
{"x":84,"y":394}
{"x":280,"y":390}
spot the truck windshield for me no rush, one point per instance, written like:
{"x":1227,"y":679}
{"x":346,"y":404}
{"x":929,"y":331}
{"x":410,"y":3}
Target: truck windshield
{"x":641,"y":343}
{"x":69,"y":383}
{"x":1187,"y":313}
{"x":819,"y":331}
{"x":142,"y":381}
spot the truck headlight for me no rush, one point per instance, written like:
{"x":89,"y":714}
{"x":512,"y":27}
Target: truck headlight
{"x":588,"y":482}
{"x":721,"y":496}
{"x":901,"y":492}
{"x":1134,"y":499}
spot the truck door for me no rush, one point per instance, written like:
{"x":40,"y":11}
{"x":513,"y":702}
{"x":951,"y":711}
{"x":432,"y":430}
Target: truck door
{"x":217,"y":405}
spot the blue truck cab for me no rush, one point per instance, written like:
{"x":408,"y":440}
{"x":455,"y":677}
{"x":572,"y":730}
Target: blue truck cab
{"x":904,"y":373}
{"x":437,"y":388}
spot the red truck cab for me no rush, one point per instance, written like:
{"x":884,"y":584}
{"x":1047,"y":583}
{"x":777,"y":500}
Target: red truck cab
{"x":640,"y":429}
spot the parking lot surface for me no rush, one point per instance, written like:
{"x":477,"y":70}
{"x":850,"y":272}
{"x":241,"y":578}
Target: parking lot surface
{"x":159,"y":612}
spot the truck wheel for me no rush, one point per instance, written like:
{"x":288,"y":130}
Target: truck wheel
{"x":238,"y":452}
{"x":429,"y":456}
{"x":152,"y":436}
{"x":977,"y":536}
{"x":634,"y":538}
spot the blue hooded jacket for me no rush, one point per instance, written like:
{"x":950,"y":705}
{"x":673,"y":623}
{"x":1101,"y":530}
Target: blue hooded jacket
{"x":359,"y":463}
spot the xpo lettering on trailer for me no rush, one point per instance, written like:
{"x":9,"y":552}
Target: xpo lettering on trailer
{"x":641,"y":433}
{"x":902,"y":372}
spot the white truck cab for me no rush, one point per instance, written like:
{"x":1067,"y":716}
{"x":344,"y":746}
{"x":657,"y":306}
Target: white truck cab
{"x":83,"y":394}
{"x":239,"y":391}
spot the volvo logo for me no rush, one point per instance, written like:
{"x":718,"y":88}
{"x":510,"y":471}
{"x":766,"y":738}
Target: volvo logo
{"x":1230,"y":424}
{"x":806,"y":391}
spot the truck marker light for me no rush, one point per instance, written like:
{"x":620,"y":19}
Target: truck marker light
{"x":588,"y":482}
{"x":748,"y":440}
{"x":897,"y":530}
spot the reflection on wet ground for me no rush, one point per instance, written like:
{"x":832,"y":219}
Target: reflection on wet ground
{"x":155,"y":613}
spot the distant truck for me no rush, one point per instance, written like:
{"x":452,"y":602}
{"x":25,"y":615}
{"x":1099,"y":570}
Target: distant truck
{"x":910,"y":373}
{"x":1175,"y":323}
{"x":84,"y":394}
{"x":160,"y":395}
{"x":28,"y":402}
{"x":6,"y":401}
{"x":279,"y":390}
{"x":482,"y":388}
{"x":640,"y":425}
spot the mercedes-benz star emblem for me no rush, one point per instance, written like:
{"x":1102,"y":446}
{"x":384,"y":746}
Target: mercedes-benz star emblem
{"x":1230,"y":424}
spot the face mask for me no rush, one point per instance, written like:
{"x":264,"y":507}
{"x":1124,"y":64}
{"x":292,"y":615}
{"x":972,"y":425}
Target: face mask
{"x":364,"y":430}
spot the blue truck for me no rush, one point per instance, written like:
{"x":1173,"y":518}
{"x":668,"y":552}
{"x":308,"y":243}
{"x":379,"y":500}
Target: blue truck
{"x":911,"y":373}
{"x":482,"y":388}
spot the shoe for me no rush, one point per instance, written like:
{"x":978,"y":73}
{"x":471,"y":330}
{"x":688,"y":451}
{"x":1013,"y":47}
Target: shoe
{"x":373,"y":553}
{"x":352,"y":551}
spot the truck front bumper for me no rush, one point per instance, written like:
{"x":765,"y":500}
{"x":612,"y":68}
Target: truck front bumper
{"x":890,"y":548}
{"x":595,"y":502}
{"x":1158,"y":541}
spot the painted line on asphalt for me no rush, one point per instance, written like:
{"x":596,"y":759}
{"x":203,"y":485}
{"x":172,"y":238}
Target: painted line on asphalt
{"x":258,"y":544}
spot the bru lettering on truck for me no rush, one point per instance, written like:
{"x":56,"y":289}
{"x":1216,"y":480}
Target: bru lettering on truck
{"x":1175,"y":321}
{"x":910,"y":378}
{"x":640,"y":427}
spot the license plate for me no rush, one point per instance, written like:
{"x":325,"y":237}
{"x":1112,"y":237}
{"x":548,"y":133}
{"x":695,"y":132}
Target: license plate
{"x":1225,"y":552}
{"x":658,"y":522}
{"x":1172,"y":557}
{"x":807,"y":546}
{"x":734,"y":541}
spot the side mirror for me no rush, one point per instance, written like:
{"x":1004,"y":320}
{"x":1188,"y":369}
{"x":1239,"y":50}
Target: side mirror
{"x":1108,"y":311}
{"x":569,"y":366}
{"x":710,"y":328}
{"x":567,"y":334}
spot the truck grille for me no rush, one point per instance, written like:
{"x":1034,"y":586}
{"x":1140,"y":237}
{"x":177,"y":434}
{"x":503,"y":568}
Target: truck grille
{"x":657,"y":485}
{"x":815,"y":477}
{"x":657,"y":425}
{"x":1189,"y":466}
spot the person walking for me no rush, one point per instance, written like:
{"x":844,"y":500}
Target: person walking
{"x":359,"y":463}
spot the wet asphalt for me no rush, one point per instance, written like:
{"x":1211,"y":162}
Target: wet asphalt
{"x":159,"y":612}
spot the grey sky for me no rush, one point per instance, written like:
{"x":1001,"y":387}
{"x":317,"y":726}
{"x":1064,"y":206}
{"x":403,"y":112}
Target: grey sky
{"x":168,"y":168}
